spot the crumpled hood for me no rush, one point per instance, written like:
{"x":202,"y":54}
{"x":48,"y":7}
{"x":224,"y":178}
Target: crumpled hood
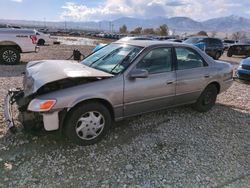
{"x":39,"y":73}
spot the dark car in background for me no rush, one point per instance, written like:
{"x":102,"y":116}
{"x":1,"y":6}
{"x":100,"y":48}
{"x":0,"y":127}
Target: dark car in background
{"x":244,"y":41}
{"x":239,"y":49}
{"x":213,"y":46}
{"x":227,"y":43}
{"x":243,"y":71}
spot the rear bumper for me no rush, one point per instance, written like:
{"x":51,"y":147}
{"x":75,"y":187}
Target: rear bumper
{"x":37,"y":49}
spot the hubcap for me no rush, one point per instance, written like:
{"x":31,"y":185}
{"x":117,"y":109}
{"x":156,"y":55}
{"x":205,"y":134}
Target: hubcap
{"x":9,"y":56}
{"x":208,"y":98}
{"x":90,"y":125}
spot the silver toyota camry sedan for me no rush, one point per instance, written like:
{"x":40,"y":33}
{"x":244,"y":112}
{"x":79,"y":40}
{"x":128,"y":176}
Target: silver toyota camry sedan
{"x":123,"y":79}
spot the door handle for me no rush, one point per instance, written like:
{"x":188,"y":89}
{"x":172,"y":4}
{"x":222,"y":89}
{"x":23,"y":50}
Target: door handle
{"x":207,"y":76}
{"x":169,"y":82}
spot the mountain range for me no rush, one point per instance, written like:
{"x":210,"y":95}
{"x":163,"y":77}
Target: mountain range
{"x":179,"y":24}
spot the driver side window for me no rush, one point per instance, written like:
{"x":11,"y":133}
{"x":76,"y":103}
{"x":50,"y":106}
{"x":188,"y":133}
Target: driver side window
{"x":157,"y":61}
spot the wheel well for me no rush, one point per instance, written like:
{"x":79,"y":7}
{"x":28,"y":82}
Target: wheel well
{"x":5,"y":44}
{"x":42,"y":40}
{"x":217,"y":86}
{"x":101,"y":101}
{"x":12,"y":46}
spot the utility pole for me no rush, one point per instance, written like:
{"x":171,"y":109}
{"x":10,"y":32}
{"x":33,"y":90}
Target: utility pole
{"x":112,"y":28}
{"x":44,"y":22}
{"x":65,"y":26}
{"x":100,"y":26}
{"x":109,"y":26}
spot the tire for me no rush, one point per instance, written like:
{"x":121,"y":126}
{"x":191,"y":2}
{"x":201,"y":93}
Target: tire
{"x":217,"y":55}
{"x":87,"y":124}
{"x":41,"y":42}
{"x":207,"y":99}
{"x":9,"y":56}
{"x":229,"y":54}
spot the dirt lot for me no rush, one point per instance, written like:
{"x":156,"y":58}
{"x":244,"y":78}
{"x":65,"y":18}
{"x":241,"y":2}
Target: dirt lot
{"x":171,"y":148}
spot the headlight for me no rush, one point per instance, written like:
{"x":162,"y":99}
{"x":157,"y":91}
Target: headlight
{"x":37,"y":105}
{"x":240,"y":67}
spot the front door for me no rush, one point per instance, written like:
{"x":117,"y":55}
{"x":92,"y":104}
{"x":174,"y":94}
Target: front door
{"x":155,"y":92}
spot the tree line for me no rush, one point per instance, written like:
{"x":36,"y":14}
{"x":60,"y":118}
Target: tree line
{"x":162,"y":30}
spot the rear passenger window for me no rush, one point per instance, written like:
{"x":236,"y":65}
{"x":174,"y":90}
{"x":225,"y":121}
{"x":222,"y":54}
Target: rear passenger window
{"x":157,"y":61}
{"x":188,"y":59}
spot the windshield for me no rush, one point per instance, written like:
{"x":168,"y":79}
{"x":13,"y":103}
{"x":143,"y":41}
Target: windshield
{"x":193,"y":40}
{"x":113,"y":58}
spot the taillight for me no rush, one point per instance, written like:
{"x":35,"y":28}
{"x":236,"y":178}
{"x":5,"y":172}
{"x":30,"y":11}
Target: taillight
{"x":33,"y":38}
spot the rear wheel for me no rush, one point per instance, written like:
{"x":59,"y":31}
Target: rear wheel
{"x":41,"y":42}
{"x":207,"y":99}
{"x":87,"y":124}
{"x":9,"y":56}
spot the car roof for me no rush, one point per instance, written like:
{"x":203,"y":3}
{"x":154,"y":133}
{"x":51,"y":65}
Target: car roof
{"x":205,"y":37}
{"x":147,"y":43}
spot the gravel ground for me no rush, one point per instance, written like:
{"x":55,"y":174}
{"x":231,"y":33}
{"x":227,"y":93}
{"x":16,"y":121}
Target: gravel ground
{"x":171,"y":148}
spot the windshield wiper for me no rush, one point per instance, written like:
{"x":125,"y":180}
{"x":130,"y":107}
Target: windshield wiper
{"x":120,"y":63}
{"x":105,"y":57}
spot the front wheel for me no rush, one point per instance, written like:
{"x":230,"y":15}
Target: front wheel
{"x":207,"y":99}
{"x":9,"y":56}
{"x":229,"y":54}
{"x":87,"y":124}
{"x":217,"y":55}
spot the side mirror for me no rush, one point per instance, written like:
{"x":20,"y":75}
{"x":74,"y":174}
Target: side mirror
{"x":138,"y":73}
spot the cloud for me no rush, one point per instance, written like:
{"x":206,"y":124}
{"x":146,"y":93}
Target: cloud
{"x":112,"y":9}
{"x":18,"y":1}
{"x":175,"y":3}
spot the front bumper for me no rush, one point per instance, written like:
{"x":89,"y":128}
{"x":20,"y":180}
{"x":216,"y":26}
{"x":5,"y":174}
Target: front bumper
{"x":9,"y":100}
{"x":29,"y":120}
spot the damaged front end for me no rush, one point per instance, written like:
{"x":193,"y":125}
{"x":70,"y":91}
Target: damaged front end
{"x":28,"y":119}
{"x":33,"y":113}
{"x":41,"y":78}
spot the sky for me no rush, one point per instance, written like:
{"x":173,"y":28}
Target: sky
{"x":96,"y":10}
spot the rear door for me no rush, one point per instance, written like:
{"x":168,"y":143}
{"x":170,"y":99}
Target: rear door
{"x":155,"y":92}
{"x":193,"y":74}
{"x":210,"y":47}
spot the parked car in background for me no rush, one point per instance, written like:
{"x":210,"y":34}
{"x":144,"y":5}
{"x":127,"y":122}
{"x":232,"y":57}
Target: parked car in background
{"x":10,"y":26}
{"x":175,"y":40}
{"x":77,"y":34}
{"x":42,"y":38}
{"x":244,"y":41}
{"x":239,"y":49}
{"x":243,"y":71}
{"x":16,"y":41}
{"x":227,"y":43}
{"x":98,"y":47}
{"x":213,"y":46}
{"x":136,"y":38}
{"x":123,"y":79}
